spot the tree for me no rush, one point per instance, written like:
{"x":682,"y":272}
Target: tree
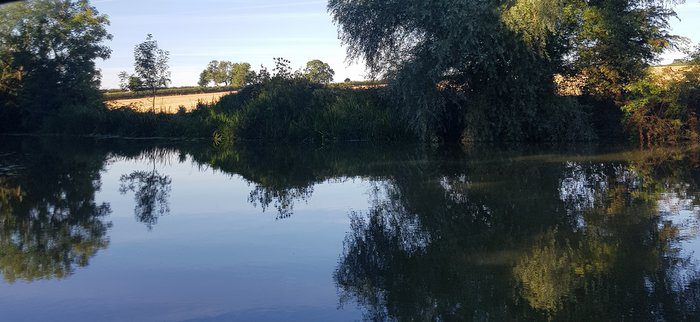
{"x":223,"y":73}
{"x":455,"y":69}
{"x":151,"y":66}
{"x":219,"y":72}
{"x":129,"y":82}
{"x":484,"y":69}
{"x":48,"y":50}
{"x":204,"y":78}
{"x":319,"y":72}
{"x":614,"y":42}
{"x":241,"y":75}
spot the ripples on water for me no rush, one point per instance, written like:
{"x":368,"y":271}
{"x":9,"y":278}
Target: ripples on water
{"x":137,"y":230}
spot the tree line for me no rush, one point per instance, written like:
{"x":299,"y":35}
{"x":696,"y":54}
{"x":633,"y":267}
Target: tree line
{"x":457,"y":70}
{"x":239,"y":75}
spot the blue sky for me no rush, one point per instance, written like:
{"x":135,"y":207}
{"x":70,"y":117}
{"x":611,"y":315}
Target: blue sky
{"x":254,"y":31}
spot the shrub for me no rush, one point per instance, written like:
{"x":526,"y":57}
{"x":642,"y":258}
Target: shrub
{"x":295,"y":109}
{"x":663,"y":109}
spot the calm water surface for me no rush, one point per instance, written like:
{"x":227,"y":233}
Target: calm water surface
{"x":103,"y":230}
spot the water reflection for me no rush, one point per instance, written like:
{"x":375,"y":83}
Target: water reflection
{"x":151,"y":188}
{"x":538,"y":239}
{"x":450,"y":234}
{"x":49,"y":221}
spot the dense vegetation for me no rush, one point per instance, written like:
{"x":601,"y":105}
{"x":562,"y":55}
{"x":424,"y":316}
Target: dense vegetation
{"x":47,"y":60}
{"x":664,"y":107}
{"x":483,"y":70}
{"x":456,"y":71}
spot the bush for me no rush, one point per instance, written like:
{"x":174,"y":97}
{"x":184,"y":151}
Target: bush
{"x":664,"y":109}
{"x":295,"y":109}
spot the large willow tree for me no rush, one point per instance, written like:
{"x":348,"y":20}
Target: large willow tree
{"x":488,"y":66}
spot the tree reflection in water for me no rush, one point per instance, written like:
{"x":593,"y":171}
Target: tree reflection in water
{"x":481,"y":234}
{"x":151,"y":188}
{"x":518,"y":239}
{"x":49,"y":221}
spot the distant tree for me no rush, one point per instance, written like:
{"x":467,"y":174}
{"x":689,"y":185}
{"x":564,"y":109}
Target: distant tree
{"x":224,"y":72}
{"x":204,"y":78}
{"x":319,"y":72}
{"x":219,"y":72}
{"x":129,"y":82}
{"x":241,"y":74}
{"x":347,"y":80}
{"x":48,"y":50}
{"x":207,"y":75}
{"x":151,"y":66}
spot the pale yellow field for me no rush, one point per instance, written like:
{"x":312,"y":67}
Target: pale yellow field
{"x":167,"y":104}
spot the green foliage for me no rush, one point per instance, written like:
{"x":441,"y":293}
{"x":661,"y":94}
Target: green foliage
{"x":241,"y":75}
{"x":217,"y":72}
{"x":151,"y":66}
{"x":615,"y":41}
{"x":663,"y":109}
{"x":319,"y":72}
{"x":48,"y":50}
{"x":125,"y":122}
{"x":467,"y":61}
{"x":225,"y":72}
{"x":288,"y":108}
{"x":130,"y":82}
{"x":482,"y":69}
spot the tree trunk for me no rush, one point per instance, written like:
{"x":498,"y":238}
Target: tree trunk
{"x":153,"y":107}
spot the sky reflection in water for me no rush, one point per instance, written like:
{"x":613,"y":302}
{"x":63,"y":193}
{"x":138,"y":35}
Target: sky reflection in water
{"x":136,"y":230}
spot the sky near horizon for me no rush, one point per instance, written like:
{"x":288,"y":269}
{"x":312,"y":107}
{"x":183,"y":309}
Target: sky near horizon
{"x":253,"y":31}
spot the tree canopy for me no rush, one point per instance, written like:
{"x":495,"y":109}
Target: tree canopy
{"x":319,"y":72}
{"x":48,"y":50}
{"x":487,"y":67}
{"x":226,"y":73}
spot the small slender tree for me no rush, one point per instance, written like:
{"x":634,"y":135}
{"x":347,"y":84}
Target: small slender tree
{"x":151,"y":66}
